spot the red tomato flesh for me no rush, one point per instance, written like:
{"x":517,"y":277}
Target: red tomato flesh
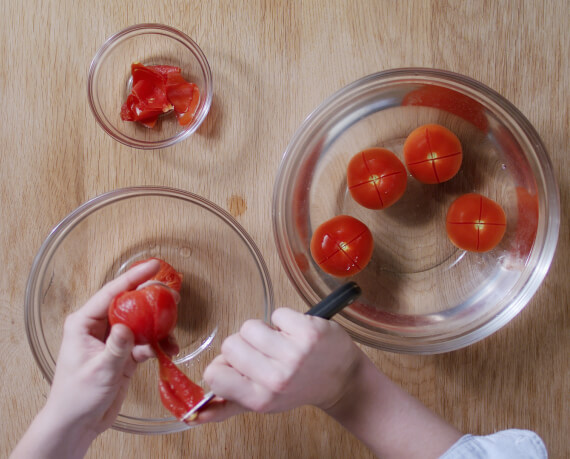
{"x":342,"y":246}
{"x":475,"y":223}
{"x":376,"y":178}
{"x":433,"y":154}
{"x":150,"y":313}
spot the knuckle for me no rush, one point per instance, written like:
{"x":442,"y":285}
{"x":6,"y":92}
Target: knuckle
{"x":278,"y":382}
{"x":263,"y":404}
{"x":312,"y":337}
{"x":248,"y":327}
{"x":228,"y":345}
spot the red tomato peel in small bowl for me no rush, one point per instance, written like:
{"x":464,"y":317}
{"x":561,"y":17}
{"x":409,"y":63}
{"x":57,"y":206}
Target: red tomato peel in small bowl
{"x":433,"y":154}
{"x":342,"y":246}
{"x":376,"y":178}
{"x":475,"y":223}
{"x":158,"y":89}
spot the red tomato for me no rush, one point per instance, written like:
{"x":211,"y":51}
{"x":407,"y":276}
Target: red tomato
{"x":475,"y":223}
{"x":150,"y":313}
{"x":433,"y":154}
{"x":166,"y":274}
{"x":342,"y":246}
{"x":376,"y":178}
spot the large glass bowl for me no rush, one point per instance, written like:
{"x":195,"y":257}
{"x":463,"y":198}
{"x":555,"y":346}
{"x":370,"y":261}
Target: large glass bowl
{"x":109,"y":82}
{"x":225,"y":282}
{"x":420,"y":293}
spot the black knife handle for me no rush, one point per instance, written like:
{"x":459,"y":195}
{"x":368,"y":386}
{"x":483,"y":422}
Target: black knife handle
{"x":336,"y":301}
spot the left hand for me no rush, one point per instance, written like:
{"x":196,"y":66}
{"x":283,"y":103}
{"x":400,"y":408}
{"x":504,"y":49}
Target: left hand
{"x":92,"y":375}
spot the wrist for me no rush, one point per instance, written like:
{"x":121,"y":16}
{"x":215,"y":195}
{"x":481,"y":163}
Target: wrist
{"x":386,"y":418}
{"x":355,"y":390}
{"x":51,"y":435}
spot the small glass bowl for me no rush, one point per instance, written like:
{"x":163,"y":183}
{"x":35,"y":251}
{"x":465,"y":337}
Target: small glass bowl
{"x":225,"y":282}
{"x":421,"y":294}
{"x":109,"y":82}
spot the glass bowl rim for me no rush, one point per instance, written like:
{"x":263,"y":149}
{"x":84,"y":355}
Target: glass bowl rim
{"x":35,"y":339}
{"x":312,"y":126}
{"x":152,"y":28}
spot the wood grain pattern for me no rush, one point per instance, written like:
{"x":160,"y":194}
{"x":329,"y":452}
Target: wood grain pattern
{"x":273,"y":62}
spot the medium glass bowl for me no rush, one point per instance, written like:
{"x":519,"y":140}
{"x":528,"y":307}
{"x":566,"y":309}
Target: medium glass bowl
{"x":225,"y":282}
{"x":421,"y":294}
{"x":109,"y":82}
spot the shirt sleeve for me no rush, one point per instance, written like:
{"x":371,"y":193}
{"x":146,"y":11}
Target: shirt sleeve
{"x":506,"y":444}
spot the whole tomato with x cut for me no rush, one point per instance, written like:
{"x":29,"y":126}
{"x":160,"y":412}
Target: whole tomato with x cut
{"x":433,"y":154}
{"x":342,"y":246}
{"x":475,"y":223}
{"x":376,"y":178}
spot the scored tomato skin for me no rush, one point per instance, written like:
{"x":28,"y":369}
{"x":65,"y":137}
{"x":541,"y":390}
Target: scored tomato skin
{"x":342,"y":246}
{"x":376,"y":178}
{"x":475,"y":223}
{"x":433,"y":154}
{"x":150,"y":312}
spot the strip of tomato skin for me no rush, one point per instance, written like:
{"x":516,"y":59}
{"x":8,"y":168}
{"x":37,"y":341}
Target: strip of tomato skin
{"x":141,"y":72}
{"x":164,"y":70}
{"x":170,"y":401}
{"x":184,"y":119}
{"x":179,"y":92}
{"x":178,"y":393}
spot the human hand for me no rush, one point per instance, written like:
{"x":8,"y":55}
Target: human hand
{"x":305,"y":361}
{"x":92,"y":374}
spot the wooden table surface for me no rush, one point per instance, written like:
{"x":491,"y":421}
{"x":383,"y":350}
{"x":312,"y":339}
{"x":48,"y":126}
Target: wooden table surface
{"x":273,"y":62}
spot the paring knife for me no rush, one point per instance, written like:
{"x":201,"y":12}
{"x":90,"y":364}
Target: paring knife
{"x":326,"y":308}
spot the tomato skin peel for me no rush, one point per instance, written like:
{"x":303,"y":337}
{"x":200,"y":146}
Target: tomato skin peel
{"x":158,"y":89}
{"x":177,"y":392}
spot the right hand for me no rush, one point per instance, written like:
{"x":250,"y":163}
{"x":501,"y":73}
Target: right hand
{"x":305,"y":361}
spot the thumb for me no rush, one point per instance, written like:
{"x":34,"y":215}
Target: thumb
{"x":118,"y":347}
